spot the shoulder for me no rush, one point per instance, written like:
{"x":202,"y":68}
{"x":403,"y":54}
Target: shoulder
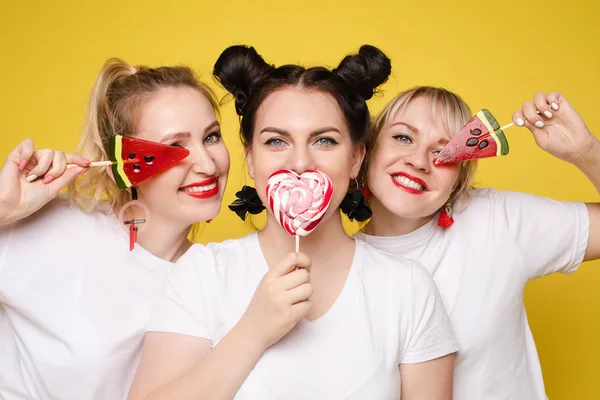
{"x":232,"y":254}
{"x":60,"y":219}
{"x":398,"y":270}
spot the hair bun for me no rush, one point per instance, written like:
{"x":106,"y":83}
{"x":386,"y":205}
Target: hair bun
{"x":365,"y":71}
{"x":238,"y":68}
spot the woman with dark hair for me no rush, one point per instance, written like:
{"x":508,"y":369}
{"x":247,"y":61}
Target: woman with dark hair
{"x":252,"y":319}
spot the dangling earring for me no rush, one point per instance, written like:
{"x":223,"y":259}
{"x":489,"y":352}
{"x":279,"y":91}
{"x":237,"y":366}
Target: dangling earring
{"x":354,"y":205}
{"x":446,"y":220}
{"x":247,"y":202}
{"x":133,"y":229}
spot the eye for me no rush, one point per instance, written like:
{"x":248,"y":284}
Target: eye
{"x":177,"y":144}
{"x":213,"y":137}
{"x":326,"y":141}
{"x":275,"y":142}
{"x":436,"y":152}
{"x":403,"y":138}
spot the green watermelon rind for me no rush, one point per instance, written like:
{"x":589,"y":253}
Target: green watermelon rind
{"x":497,"y":133}
{"x":114,"y":153}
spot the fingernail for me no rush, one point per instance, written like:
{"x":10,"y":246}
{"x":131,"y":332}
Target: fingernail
{"x":548,"y":114}
{"x":520,"y":122}
{"x":86,"y":160}
{"x":539,"y":124}
{"x":23,"y":164}
{"x":31,"y":178}
{"x":48,"y":179}
{"x":554,"y":106}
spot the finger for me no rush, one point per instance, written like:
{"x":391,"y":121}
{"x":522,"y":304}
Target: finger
{"x":43,"y":159}
{"x":294,"y":279}
{"x":63,"y":180}
{"x":299,"y":310}
{"x":289,"y":263}
{"x":518,"y":118}
{"x":554,"y":99}
{"x":531,"y":116}
{"x":77,"y":160}
{"x":541,"y":103}
{"x":301,"y":293}
{"x":59,"y":164}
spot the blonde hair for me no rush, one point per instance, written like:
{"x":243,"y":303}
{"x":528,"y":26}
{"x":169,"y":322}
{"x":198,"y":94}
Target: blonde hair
{"x":455,"y":113}
{"x":115,"y":104}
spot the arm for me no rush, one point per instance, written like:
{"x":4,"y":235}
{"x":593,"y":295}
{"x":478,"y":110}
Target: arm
{"x":178,"y":366}
{"x":559,"y":129}
{"x":175,"y":366}
{"x":430,"y":380}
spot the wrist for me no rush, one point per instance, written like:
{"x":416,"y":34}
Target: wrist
{"x":589,"y":156}
{"x":248,"y":336}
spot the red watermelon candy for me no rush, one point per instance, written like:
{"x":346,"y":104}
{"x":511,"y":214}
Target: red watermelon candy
{"x":481,"y":137}
{"x":135,"y":160}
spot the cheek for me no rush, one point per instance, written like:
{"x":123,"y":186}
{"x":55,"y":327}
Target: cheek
{"x":220,"y":156}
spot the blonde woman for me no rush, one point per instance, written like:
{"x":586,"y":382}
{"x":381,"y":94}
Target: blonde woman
{"x":74,"y":300}
{"x":498,"y":241}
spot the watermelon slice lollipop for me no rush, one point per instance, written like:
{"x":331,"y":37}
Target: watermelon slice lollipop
{"x":135,"y":160}
{"x":481,"y":137}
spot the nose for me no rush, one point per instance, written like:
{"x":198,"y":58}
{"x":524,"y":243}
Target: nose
{"x":202,"y":161}
{"x":419,"y":160}
{"x":302,"y":160}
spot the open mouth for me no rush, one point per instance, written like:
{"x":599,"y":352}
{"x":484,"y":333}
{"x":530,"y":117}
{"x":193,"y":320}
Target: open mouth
{"x":409,"y":183}
{"x":202,"y":190}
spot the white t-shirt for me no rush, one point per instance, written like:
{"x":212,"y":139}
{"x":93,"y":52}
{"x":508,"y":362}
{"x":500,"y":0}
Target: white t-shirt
{"x":388,"y":312}
{"x":74,"y":303}
{"x":481,"y":265}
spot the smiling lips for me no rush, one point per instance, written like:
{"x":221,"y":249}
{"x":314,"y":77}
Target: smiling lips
{"x":409,"y":183}
{"x":202,"y":190}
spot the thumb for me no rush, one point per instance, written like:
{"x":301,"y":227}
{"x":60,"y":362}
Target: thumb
{"x":62,"y":181}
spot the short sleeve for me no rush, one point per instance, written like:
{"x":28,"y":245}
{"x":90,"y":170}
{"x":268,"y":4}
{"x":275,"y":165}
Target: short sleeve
{"x":430,"y":334}
{"x":4,"y":239}
{"x":552,"y":236}
{"x":182,"y":308}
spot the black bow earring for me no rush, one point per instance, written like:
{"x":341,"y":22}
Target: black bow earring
{"x":247,"y":202}
{"x":354,"y":205}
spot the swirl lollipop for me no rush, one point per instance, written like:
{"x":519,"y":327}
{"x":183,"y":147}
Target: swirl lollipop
{"x":299,"y":202}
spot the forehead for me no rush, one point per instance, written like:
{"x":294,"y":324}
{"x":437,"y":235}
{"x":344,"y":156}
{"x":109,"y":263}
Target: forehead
{"x":174,"y":110}
{"x":299,"y":110}
{"x":424,"y":114}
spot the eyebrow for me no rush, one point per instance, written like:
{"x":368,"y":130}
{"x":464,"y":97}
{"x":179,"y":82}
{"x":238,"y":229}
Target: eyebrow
{"x":313,"y":133}
{"x":442,"y":141}
{"x":185,"y":135}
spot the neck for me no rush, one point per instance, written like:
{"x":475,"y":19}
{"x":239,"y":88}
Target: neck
{"x":161,"y":237}
{"x":322,"y":245}
{"x":386,"y":223}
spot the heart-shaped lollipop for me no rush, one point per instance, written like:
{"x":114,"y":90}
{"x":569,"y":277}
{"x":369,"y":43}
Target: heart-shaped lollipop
{"x":299,"y":202}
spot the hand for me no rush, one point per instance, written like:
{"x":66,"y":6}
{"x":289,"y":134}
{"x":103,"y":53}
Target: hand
{"x":280,"y":300}
{"x":21,"y":192}
{"x":557,"y":128}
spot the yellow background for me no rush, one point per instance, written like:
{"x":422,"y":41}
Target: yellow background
{"x":495,"y":55}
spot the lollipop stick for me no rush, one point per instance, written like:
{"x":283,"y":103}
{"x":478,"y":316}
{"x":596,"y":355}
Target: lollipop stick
{"x":506,"y":126}
{"x":94,"y":164}
{"x":297,"y":243}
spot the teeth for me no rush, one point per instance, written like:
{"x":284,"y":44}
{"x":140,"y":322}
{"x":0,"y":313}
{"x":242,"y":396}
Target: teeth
{"x":198,"y":189}
{"x":404,"y":181}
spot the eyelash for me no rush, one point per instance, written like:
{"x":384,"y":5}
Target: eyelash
{"x":217,"y":135}
{"x":330,"y":142}
{"x":399,"y":138}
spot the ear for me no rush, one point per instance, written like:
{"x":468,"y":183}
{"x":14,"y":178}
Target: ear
{"x":358,"y":157}
{"x":249,"y":161}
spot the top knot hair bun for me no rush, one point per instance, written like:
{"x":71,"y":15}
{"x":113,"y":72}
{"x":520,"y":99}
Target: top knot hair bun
{"x":365,"y":71}
{"x":238,"y":69}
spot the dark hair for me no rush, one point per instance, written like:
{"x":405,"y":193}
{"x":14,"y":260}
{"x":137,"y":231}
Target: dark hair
{"x":246,"y":75}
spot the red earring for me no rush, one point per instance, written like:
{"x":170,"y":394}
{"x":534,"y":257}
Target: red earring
{"x":367,"y":192}
{"x":133,"y":228}
{"x":446,"y":220}
{"x":208,"y":221}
